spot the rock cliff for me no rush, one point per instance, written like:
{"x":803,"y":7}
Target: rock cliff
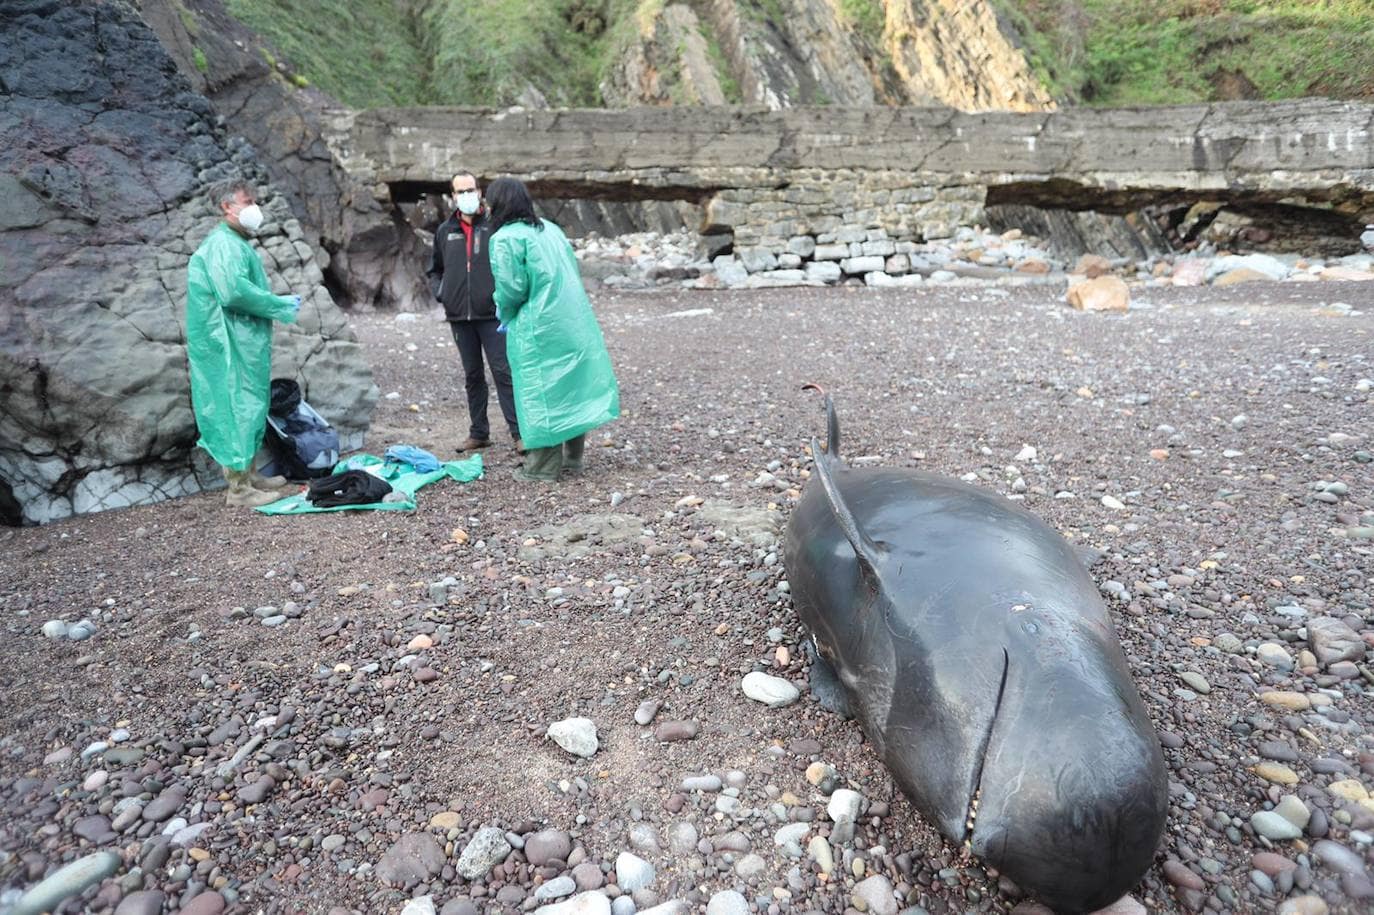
{"x":104,"y":152}
{"x":786,"y":53}
{"x":359,"y":244}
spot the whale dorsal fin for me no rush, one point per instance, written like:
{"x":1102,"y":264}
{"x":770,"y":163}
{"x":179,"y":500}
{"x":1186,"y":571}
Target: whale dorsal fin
{"x":832,"y":428}
{"x":867,"y":550}
{"x":832,"y":421}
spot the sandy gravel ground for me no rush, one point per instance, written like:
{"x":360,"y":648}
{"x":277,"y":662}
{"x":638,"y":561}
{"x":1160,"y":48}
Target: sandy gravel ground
{"x":1213,"y":443}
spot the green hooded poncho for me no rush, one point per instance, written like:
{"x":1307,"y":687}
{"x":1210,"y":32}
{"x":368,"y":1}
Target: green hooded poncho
{"x":229,"y":315}
{"x":564,"y":385}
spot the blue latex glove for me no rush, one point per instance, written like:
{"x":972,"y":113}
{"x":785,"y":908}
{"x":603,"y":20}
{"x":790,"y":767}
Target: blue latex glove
{"x":500,"y":328}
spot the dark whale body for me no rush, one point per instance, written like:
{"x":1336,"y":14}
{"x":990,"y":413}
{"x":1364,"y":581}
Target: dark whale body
{"x":977,"y":655}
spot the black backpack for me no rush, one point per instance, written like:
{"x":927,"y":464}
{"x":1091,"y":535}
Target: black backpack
{"x":302,"y":444}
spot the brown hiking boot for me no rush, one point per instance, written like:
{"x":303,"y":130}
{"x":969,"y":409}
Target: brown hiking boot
{"x":519,"y":446}
{"x":267,"y":484}
{"x":473,"y":444}
{"x":242,"y":493}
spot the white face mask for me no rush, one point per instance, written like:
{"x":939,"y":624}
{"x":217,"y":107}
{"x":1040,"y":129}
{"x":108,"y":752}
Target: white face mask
{"x":250,"y":217}
{"x":469,"y":202}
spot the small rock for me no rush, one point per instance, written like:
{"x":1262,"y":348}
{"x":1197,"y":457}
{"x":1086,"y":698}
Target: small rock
{"x":876,"y":895}
{"x":1105,"y":293}
{"x":164,"y":805}
{"x":1177,"y":873}
{"x":592,"y":903}
{"x":486,"y":849}
{"x":547,"y":845}
{"x":775,"y":692}
{"x":1294,"y":811}
{"x":1277,"y":773}
{"x":144,"y":902}
{"x":646,"y":712}
{"x":1304,"y":905}
{"x":707,"y":783}
{"x":727,"y":902}
{"x":257,"y":792}
{"x":1273,"y":826}
{"x":207,"y":903}
{"x":675,"y":731}
{"x":67,"y":882}
{"x":819,"y":850}
{"x":844,"y":805}
{"x":1275,"y":656}
{"x":445,"y":820}
{"x":412,"y":859}
{"x":420,"y":905}
{"x":556,"y":888}
{"x":576,"y":735}
{"x":632,"y":872}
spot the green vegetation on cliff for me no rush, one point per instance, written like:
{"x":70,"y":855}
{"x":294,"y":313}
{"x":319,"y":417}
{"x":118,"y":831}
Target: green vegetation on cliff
{"x":362,"y":52}
{"x":371,"y":53}
{"x":1128,"y":52}
{"x":487,"y":52}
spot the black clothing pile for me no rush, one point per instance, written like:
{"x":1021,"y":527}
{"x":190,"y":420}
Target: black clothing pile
{"x":352,"y":487}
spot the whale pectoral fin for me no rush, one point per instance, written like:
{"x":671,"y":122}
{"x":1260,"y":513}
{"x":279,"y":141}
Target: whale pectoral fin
{"x":866,"y":550}
{"x":826,"y":685}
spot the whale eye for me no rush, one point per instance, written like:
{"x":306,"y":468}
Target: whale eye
{"x":1030,"y":627}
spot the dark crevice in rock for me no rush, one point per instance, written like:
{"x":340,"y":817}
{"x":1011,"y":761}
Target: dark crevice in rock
{"x":11,"y":512}
{"x":556,"y":189}
{"x":1265,"y":220}
{"x":1071,"y":233}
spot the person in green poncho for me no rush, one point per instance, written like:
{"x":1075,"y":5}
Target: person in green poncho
{"x":229,"y":313}
{"x":564,"y":385}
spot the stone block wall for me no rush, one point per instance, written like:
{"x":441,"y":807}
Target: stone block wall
{"x":830,"y":225}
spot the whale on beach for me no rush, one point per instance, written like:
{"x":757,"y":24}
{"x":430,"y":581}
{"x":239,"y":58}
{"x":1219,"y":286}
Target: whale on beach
{"x":970,"y":643}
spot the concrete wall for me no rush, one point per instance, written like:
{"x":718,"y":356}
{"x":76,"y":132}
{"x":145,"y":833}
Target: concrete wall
{"x":908,"y":173}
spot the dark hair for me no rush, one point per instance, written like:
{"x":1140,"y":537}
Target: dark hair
{"x":226,"y":190}
{"x":509,"y":201}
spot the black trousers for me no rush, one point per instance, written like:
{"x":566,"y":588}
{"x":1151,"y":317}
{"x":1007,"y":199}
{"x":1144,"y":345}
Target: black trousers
{"x":473,"y":338}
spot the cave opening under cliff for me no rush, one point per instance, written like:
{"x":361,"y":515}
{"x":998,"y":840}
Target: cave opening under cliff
{"x":579,"y":208}
{"x":1175,"y":220}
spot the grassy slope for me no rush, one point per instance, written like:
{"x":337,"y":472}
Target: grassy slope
{"x":1102,"y":52}
{"x":1109,"y":52}
{"x":487,"y":51}
{"x":361,"y":52}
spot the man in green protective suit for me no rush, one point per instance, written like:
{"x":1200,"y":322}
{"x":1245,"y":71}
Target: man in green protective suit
{"x":229,"y":313}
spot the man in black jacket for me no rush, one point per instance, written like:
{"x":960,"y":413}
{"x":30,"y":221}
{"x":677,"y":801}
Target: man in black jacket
{"x":460,"y":277}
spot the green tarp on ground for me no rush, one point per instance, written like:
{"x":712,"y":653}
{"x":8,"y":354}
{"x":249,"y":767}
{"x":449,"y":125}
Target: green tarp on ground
{"x":404,"y":480}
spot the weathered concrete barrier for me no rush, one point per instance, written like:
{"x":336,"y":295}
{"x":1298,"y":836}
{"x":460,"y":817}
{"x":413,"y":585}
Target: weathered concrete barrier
{"x":777,"y":181}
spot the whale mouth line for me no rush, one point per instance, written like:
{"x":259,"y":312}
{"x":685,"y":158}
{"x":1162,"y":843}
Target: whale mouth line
{"x":971,"y":814}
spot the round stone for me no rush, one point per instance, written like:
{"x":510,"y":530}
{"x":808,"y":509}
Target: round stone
{"x":774,"y":692}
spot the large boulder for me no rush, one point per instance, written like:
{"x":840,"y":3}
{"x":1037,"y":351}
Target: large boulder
{"x":104,"y":156}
